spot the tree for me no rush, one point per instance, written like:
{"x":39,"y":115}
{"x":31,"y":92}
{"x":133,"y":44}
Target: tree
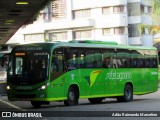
{"x":155,"y":27}
{"x":155,"y":4}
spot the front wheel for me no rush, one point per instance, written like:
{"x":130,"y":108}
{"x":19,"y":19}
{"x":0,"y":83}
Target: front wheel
{"x":72,"y":98}
{"x":36,"y":104}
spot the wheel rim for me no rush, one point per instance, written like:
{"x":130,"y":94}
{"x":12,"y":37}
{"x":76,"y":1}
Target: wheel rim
{"x":127,"y":93}
{"x":71,"y":96}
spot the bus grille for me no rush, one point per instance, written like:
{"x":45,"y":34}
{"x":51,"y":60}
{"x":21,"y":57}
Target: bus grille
{"x":25,"y":96}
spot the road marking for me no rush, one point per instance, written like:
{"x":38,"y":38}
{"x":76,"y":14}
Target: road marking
{"x":11,"y":105}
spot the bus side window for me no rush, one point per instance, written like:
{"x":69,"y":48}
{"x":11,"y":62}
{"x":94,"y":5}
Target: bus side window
{"x":82,"y":55}
{"x":74,"y":58}
{"x":125,"y":63}
{"x":123,"y":58}
{"x":71,"y":59}
{"x":140,"y":63}
{"x":146,"y":63}
{"x":88,"y":60}
{"x":106,"y":62}
{"x":134,"y":63}
{"x":109,"y":58}
{"x":152,"y":63}
{"x":114,"y":63}
{"x":119,"y":63}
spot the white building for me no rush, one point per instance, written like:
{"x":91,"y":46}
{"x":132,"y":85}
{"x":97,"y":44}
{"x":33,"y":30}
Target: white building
{"x":108,"y":20}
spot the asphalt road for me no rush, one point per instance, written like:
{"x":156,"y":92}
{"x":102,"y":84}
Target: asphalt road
{"x":142,"y":107}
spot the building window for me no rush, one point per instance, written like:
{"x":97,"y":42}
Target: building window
{"x":81,"y":13}
{"x":119,"y":30}
{"x":44,"y":14}
{"x":105,"y":10}
{"x":33,"y":37}
{"x":58,"y":36}
{"x":149,"y":10}
{"x":82,"y":34}
{"x":58,"y":8}
{"x":117,"y":9}
{"x":106,"y":31}
{"x":142,"y":9}
{"x":133,"y":30}
{"x":133,"y":9}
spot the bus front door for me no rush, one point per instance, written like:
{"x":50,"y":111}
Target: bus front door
{"x":57,"y":80}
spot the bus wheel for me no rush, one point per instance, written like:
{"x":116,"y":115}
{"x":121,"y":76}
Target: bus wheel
{"x":95,"y":100}
{"x":36,"y":104}
{"x":128,"y":94}
{"x":72,"y":98}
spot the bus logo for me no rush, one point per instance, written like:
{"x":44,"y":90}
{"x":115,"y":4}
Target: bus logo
{"x":114,"y":75}
{"x":93,"y":76}
{"x":72,"y":76}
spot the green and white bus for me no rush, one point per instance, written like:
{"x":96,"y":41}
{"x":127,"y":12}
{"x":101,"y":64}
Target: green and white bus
{"x":68,"y":71}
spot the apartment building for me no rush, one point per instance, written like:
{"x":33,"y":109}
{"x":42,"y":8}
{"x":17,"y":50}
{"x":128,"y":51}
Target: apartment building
{"x":104,"y":20}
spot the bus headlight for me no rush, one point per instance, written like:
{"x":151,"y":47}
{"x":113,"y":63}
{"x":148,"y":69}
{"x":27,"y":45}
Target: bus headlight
{"x":43,"y":87}
{"x":8,"y":87}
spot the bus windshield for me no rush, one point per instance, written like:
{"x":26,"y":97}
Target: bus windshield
{"x":28,"y":67}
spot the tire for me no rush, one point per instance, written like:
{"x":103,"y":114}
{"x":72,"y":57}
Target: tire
{"x":95,"y":100}
{"x":72,"y":97}
{"x":128,"y":94}
{"x":36,"y":104}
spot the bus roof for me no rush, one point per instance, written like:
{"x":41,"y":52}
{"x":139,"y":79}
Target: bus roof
{"x":101,"y":44}
{"x":49,"y":46}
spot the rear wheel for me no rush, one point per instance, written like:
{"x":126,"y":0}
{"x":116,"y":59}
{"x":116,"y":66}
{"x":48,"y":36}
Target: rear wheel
{"x":72,"y":98}
{"x":128,"y":94}
{"x":95,"y":100}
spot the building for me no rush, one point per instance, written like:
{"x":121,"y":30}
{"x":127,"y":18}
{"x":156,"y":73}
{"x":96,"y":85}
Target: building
{"x":108,"y":20}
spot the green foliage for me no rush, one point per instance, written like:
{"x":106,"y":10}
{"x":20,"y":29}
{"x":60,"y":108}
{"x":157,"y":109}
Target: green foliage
{"x":155,"y":4}
{"x":155,"y":7}
{"x":141,"y":27}
{"x":46,"y":40}
{"x":155,"y":28}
